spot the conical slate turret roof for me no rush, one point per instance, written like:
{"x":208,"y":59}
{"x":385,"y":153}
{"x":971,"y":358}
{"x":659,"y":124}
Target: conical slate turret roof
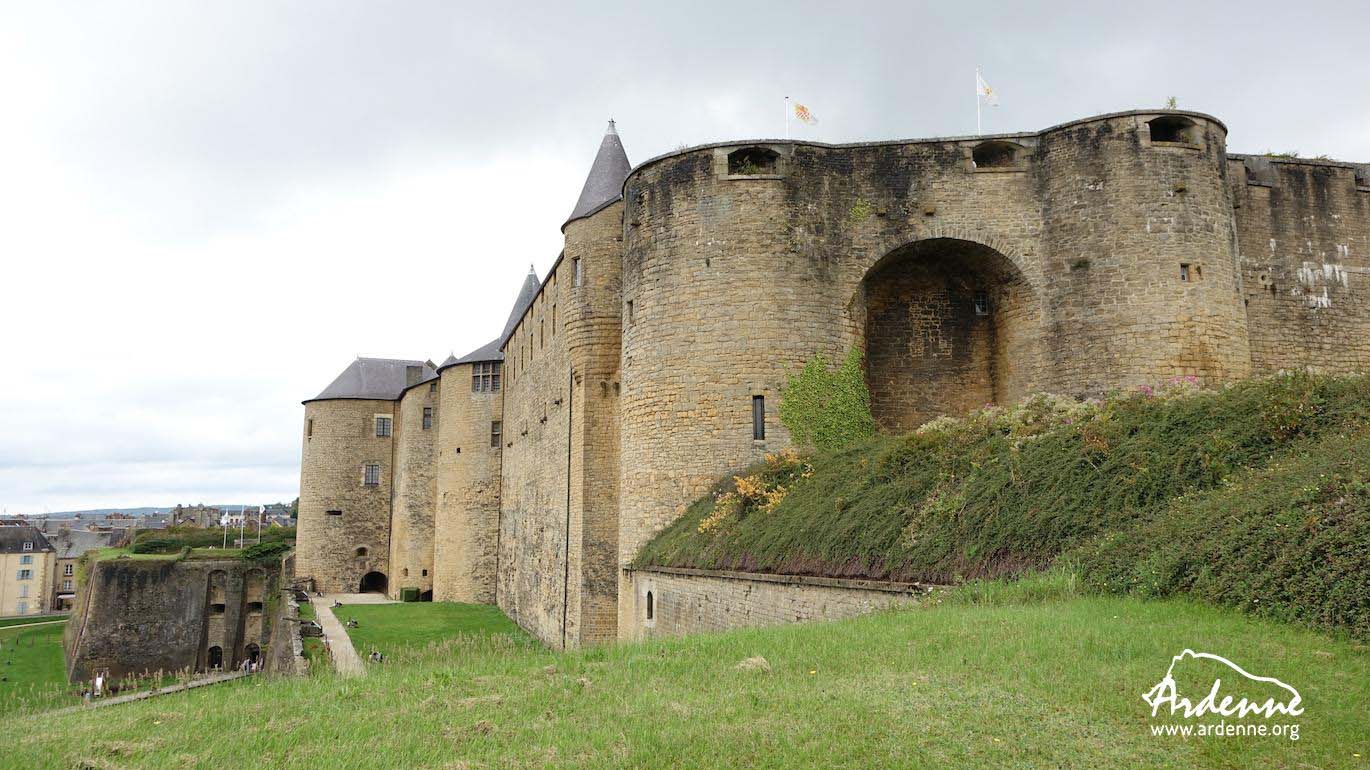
{"x":490,"y":351}
{"x":604,"y":185}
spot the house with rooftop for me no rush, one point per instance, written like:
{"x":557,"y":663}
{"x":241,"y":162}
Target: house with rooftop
{"x":27,"y":562}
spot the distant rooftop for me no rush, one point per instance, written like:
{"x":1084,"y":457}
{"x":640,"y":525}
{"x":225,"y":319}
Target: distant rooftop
{"x":12,"y":540}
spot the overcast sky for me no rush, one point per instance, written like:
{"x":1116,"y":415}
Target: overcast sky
{"x":208,"y":209}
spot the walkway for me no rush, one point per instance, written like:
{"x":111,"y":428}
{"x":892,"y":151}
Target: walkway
{"x":145,"y":694}
{"x":345,"y":657}
{"x":31,"y":625}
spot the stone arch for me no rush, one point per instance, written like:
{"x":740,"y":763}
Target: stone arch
{"x":215,"y":658}
{"x":373,"y":582}
{"x":948,"y":324}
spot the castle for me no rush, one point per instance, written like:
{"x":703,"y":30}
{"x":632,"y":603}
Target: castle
{"x":1104,"y":253}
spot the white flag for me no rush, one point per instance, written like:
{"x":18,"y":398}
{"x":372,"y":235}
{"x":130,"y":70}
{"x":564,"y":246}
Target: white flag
{"x":982,"y":89}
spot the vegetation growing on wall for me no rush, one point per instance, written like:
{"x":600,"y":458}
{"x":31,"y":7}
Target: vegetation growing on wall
{"x":173,"y":539}
{"x":826,"y":408}
{"x":1253,"y":496}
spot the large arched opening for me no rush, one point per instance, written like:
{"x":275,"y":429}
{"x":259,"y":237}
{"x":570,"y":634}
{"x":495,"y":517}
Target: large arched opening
{"x":373,"y":582}
{"x":215,"y":658}
{"x":950,"y":325}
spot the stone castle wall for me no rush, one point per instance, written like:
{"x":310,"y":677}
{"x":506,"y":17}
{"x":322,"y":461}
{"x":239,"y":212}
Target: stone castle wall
{"x":686,"y":601}
{"x":415,"y":488}
{"x":468,"y":474}
{"x":1101,"y":254}
{"x":535,"y":487}
{"x":1303,"y":233}
{"x":146,"y":615}
{"x":559,"y":525}
{"x":340,"y":438}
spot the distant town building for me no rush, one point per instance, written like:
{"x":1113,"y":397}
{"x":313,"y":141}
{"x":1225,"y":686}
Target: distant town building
{"x":27,"y":561}
{"x":70,"y":545}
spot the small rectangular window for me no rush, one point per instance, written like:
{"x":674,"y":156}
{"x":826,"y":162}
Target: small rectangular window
{"x":427,"y":417}
{"x":68,"y":569}
{"x":333,"y":513}
{"x":1184,"y":272}
{"x":758,"y":418}
{"x":25,"y":559}
{"x":25,"y":574}
{"x":382,"y":426}
{"x":496,"y":430}
{"x":309,"y":428}
{"x":554,"y":319}
{"x":981,"y":303}
{"x":66,"y":585}
{"x":23,"y":592}
{"x":579,"y":276}
{"x":371,"y":475}
{"x":433,"y":387}
{"x":630,"y":312}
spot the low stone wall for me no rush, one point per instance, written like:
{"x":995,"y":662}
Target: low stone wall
{"x":171,"y":614}
{"x":685,"y":601}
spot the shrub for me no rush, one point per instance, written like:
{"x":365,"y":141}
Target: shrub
{"x":828,"y":409}
{"x":1006,"y":491}
{"x":267,"y":550}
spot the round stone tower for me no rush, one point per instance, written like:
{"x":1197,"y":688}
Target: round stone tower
{"x":1142,"y":281}
{"x":346,"y":475}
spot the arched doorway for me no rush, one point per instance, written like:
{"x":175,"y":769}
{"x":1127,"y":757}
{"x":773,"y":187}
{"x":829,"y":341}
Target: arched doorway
{"x":950,"y":326}
{"x":253,"y":653}
{"x":216,"y":658}
{"x":373,"y":582}
{"x":426,"y":596}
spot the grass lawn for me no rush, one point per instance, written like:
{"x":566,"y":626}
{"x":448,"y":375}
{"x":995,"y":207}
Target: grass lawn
{"x":391,"y":628}
{"x":1050,"y":683}
{"x":26,"y":619}
{"x":34,"y":675}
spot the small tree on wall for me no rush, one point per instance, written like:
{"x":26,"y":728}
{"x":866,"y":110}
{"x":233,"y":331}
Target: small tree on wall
{"x":826,"y":408}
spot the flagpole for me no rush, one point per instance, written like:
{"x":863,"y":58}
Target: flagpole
{"x":787,"y":118}
{"x":977,"y":101}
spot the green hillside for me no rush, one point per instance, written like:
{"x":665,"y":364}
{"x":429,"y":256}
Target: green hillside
{"x":1255,"y":495}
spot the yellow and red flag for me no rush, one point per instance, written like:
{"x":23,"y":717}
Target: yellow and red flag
{"x":802,"y":112}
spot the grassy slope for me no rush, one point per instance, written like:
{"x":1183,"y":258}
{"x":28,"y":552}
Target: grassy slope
{"x":1047,"y":684}
{"x":390,"y":627}
{"x":32,"y":667}
{"x":1004,"y":492}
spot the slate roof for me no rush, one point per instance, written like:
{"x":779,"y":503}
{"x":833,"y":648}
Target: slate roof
{"x":72,"y":543}
{"x":490,"y":351}
{"x":12,"y":540}
{"x":382,"y":379}
{"x":604,"y":185}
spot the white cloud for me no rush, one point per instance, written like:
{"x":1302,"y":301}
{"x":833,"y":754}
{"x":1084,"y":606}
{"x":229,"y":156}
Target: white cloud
{"x":209,"y":209}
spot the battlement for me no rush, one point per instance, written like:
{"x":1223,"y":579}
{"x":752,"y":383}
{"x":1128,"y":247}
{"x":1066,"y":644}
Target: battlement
{"x":1262,"y":170}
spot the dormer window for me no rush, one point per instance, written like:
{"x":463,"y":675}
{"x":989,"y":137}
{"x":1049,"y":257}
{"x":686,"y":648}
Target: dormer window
{"x":1174,"y":129}
{"x":996,"y":155}
{"x":28,"y":545}
{"x":753,"y":161}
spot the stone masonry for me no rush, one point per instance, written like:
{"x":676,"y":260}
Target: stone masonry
{"x":1104,"y":253}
